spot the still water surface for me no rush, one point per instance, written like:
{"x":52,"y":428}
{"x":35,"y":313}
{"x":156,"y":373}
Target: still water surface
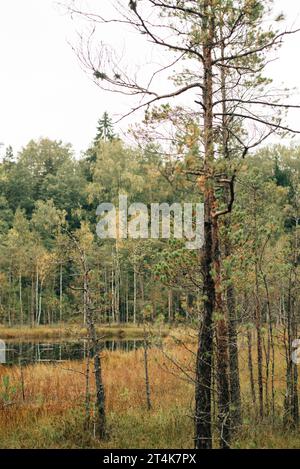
{"x":28,"y":352}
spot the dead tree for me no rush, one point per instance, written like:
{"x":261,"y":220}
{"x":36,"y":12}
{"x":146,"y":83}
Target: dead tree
{"x":89,"y":312}
{"x":146,"y":368}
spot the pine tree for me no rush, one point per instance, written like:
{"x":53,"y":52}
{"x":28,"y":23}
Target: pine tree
{"x":105,"y":130}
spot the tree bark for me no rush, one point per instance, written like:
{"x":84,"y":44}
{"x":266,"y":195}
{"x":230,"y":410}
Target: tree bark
{"x":100,"y":420}
{"x":250,"y":367}
{"x":234,"y":369}
{"x":146,"y":366}
{"x":222,"y":347}
{"x":203,"y":391}
{"x":21,"y":299}
{"x":60,"y":293}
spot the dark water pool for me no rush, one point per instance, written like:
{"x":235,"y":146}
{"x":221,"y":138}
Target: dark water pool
{"x":46,"y":351}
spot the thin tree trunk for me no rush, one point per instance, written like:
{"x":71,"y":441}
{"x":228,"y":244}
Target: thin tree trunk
{"x":127,"y":299}
{"x":100,"y":421}
{"x":234,"y":369}
{"x":146,"y":366}
{"x":250,"y":367}
{"x":259,"y":346}
{"x":271,"y":349}
{"x":87,"y":389}
{"x":170,"y":305}
{"x":60,"y":293}
{"x":117,"y":287}
{"x":258,"y":322}
{"x":40,"y":303}
{"x":9,"y":295}
{"x":134,"y":295}
{"x":21,"y":299}
{"x":112,"y":297}
{"x":37,"y":294}
{"x":22,"y":376}
{"x":291,"y":398}
{"x":32,"y":300}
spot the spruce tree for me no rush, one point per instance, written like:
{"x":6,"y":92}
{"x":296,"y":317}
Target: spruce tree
{"x":105,"y":130}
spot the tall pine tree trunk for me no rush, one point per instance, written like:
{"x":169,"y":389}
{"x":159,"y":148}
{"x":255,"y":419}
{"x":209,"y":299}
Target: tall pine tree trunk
{"x":212,"y":295}
{"x":234,"y":371}
{"x":222,"y":347}
{"x":203,"y":392}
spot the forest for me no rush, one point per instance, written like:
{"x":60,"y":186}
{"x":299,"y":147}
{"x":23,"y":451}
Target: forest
{"x":179,"y":348}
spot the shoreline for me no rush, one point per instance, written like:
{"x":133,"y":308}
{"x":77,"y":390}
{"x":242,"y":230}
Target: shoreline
{"x":73,"y":331}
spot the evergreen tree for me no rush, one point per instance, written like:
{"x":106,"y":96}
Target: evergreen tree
{"x":105,"y":130}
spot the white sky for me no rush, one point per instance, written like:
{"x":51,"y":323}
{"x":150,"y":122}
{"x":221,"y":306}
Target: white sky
{"x":45,"y":93}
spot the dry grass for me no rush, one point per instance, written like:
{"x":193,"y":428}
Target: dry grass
{"x":52,"y":413}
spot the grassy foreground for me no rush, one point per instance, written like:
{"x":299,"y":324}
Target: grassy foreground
{"x":48,"y":411}
{"x":62,"y":331}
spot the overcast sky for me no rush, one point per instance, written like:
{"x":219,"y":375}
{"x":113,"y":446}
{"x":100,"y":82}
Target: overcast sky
{"x":45,"y":93}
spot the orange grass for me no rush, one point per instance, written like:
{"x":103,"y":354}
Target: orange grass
{"x":54,"y":392}
{"x":52,"y":413}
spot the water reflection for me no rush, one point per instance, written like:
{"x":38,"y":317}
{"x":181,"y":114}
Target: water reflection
{"x":39,"y":352}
